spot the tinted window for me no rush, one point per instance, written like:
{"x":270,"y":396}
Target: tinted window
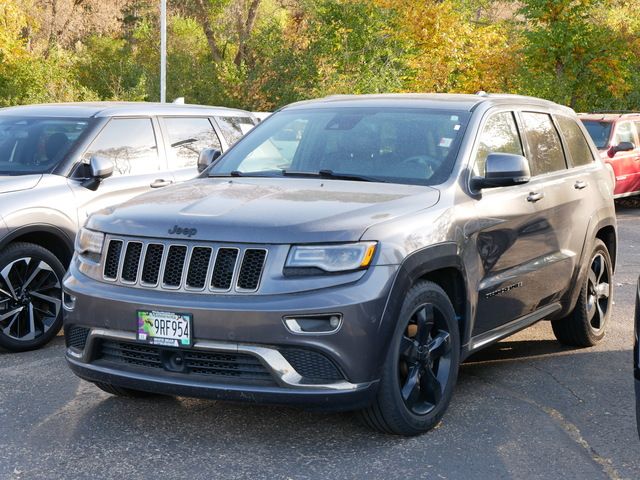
{"x":130,"y":144}
{"x":187,"y":138}
{"x":499,"y":135}
{"x":402,"y":145}
{"x":544,"y":143}
{"x":624,"y":133}
{"x":36,"y":145}
{"x":576,"y":142}
{"x":233,"y":128}
{"x":598,"y":131}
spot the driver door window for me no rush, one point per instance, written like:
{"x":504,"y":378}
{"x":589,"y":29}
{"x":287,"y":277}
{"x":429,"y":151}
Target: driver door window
{"x":499,"y":135}
{"x":130,"y":143}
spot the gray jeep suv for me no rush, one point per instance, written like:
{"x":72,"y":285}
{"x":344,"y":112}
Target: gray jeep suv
{"x":349,"y":253}
{"x":54,"y":164}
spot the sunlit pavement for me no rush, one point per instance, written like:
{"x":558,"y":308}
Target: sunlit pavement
{"x":525,"y":408}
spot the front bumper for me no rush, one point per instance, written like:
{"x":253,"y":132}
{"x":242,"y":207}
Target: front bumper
{"x":288,"y":387}
{"x":250,"y":325}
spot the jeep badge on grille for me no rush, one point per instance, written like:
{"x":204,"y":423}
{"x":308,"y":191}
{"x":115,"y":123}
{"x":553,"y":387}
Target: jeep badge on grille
{"x":176,"y":230}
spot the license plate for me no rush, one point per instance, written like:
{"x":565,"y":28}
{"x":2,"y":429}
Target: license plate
{"x":165,"y":328}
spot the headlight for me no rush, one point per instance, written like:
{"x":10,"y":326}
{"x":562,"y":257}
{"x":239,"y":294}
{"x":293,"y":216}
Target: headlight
{"x":89,"y":242}
{"x":332,"y":258}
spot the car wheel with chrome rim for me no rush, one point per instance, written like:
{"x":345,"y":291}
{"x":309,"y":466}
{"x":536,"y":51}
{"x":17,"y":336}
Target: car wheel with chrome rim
{"x":30,"y":297}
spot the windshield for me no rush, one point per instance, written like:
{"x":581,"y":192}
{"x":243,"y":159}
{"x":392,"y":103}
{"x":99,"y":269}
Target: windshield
{"x":36,"y":144}
{"x":599,"y":132}
{"x":399,"y":145}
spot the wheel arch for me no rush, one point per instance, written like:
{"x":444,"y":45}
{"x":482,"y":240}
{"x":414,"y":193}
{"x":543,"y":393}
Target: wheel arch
{"x":442,"y":265}
{"x":50,"y":237}
{"x":607,"y":233}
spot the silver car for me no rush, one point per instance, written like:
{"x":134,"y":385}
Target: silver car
{"x":59,"y":163}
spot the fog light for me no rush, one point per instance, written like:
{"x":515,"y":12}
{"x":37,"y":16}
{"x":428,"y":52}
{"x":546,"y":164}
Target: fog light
{"x":322,"y":324}
{"x":68,"y":301}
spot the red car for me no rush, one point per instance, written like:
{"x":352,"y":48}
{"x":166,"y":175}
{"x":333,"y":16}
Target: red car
{"x":617,"y":136}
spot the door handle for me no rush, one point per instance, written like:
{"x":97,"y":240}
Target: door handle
{"x":535,"y":196}
{"x":159,"y":183}
{"x":580,"y":184}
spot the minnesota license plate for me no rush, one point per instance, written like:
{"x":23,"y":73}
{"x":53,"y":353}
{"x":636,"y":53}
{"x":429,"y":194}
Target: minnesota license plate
{"x":165,"y":328}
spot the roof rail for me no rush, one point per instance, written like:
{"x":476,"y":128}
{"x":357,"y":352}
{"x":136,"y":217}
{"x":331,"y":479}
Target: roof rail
{"x":616,"y":112}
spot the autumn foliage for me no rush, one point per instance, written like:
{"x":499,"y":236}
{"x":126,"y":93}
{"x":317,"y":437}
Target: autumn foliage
{"x":261,"y":54}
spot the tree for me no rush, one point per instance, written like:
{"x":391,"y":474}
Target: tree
{"x":572,"y":56}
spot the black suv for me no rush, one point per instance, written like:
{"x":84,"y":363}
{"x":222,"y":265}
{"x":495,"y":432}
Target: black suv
{"x":349,"y":253}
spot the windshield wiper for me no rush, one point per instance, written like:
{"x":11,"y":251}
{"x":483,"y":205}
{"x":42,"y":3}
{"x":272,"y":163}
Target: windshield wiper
{"x":238,"y":173}
{"x":330,"y":174}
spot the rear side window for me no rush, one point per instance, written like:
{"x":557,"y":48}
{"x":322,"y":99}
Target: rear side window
{"x":576,"y":142}
{"x":233,"y":128}
{"x":130,"y":143}
{"x":187,"y":138}
{"x":544,"y":144}
{"x":499,"y":135}
{"x":624,"y":133}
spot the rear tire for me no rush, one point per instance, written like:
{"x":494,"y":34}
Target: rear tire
{"x":30,"y":296}
{"x":122,"y":391}
{"x":421,"y":366}
{"x":586,"y":324}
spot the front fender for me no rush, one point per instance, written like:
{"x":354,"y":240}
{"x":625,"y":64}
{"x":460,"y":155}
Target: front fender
{"x":415,"y":266}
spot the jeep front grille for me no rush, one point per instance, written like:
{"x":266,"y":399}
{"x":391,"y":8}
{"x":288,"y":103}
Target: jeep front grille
{"x":187,"y":266}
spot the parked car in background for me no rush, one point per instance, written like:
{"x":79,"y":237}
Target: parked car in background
{"x":617,"y":137}
{"x":349,"y":253}
{"x":261,"y":115}
{"x":59,"y":163}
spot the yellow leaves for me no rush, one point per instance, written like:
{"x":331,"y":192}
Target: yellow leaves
{"x":13,"y":20}
{"x":451,"y":53}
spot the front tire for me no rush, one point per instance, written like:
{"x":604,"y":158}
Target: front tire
{"x":421,"y":366}
{"x":30,"y":296}
{"x":585,"y":326}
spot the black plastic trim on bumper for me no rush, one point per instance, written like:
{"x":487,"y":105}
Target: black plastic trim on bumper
{"x":316,"y":399}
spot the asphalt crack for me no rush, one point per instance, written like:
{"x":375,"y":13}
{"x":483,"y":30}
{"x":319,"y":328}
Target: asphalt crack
{"x":557,"y":380}
{"x":570,"y":429}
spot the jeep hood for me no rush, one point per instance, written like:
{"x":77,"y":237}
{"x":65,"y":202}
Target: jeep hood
{"x":264,"y":210}
{"x":16,"y":183}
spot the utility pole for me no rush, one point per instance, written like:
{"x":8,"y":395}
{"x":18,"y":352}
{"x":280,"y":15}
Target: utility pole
{"x":163,"y":51}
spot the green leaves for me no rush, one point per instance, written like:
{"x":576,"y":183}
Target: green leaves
{"x":261,"y":54}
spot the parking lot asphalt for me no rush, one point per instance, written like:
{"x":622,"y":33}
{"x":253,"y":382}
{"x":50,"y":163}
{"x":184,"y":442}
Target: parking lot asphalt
{"x":525,"y":408}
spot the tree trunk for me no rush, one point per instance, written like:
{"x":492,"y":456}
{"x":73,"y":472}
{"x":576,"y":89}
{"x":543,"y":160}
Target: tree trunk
{"x":216,"y":54}
{"x":244,"y":32}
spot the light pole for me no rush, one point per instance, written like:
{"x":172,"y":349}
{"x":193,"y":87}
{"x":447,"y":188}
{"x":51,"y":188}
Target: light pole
{"x":163,"y":51}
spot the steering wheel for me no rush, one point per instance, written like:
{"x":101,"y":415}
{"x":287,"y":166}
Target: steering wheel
{"x":428,"y":164}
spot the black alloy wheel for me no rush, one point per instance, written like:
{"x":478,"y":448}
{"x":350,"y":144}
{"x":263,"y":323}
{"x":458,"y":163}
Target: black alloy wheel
{"x":421,"y":365}
{"x":425,"y":359}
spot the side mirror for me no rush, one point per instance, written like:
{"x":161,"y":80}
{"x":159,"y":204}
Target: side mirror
{"x":101,"y":167}
{"x":503,"y":170}
{"x":207,"y":157}
{"x":621,"y":147}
